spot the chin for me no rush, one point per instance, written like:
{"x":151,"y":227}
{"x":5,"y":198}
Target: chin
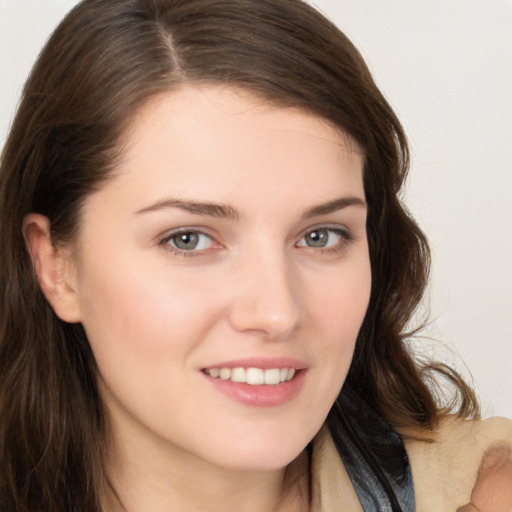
{"x":257,"y":453}
{"x":261,"y":462}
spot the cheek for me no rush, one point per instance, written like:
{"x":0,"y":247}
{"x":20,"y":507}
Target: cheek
{"x":143,"y":312}
{"x":338,"y":310}
{"x":144,"y":330}
{"x":340,"y":304}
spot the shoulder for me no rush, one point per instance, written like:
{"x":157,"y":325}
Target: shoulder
{"x":445,"y":470}
{"x":455,"y":430}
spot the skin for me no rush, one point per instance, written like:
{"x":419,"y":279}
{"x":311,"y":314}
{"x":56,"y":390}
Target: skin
{"x":156,"y":317}
{"x":255,"y":286}
{"x":493,"y":489}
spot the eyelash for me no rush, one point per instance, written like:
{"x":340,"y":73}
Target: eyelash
{"x":344,"y":234}
{"x":165,"y":242}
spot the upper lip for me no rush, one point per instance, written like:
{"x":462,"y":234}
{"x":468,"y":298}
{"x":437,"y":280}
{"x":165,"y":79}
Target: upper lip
{"x":261,"y":362}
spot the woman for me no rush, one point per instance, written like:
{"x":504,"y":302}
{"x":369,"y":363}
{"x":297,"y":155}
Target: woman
{"x":202,"y":243}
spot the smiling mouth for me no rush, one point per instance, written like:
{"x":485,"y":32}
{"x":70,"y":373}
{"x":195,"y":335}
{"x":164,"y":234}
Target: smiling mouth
{"x":252,"y":376}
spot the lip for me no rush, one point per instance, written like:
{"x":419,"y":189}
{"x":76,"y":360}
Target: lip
{"x":260,"y":362}
{"x":260,"y":396}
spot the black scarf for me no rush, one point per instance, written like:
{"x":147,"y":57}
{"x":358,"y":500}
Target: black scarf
{"x":373,"y":454}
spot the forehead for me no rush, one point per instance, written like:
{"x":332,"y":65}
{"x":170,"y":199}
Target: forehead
{"x":211,"y":105}
{"x":224,"y":144}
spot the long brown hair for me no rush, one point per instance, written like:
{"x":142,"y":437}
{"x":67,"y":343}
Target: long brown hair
{"x":101,"y":64}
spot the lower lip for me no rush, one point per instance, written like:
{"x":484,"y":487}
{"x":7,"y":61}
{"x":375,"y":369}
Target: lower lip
{"x":260,"y":396}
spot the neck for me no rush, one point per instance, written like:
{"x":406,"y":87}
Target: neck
{"x":150,"y":476}
{"x":137,"y":489}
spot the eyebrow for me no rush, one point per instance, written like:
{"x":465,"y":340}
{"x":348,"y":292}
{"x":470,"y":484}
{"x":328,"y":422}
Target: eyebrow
{"x":333,"y":206}
{"x":195,"y":207}
{"x":230,"y":213}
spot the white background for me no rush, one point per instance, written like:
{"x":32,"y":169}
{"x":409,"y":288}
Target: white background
{"x":446,"y":67}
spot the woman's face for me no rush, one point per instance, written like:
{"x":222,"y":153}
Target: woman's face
{"x":230,"y":246}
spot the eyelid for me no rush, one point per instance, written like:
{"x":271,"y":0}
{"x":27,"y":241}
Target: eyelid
{"x":344,"y":232}
{"x":163,"y":241}
{"x":346,"y":236}
{"x":327,"y":227}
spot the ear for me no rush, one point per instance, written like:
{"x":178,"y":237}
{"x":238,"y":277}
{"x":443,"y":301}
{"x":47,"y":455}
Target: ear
{"x":53,"y":266}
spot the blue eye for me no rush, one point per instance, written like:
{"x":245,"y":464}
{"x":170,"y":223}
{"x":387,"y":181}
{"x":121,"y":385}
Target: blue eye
{"x":322,"y":238}
{"x":188,"y":241}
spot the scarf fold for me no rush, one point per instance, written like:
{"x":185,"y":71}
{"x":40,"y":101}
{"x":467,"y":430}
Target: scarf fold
{"x":373,"y":454}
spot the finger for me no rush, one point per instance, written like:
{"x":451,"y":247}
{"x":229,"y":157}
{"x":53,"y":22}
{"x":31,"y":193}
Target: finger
{"x":468,"y":508}
{"x":495,"y":458}
{"x":493,"y":488}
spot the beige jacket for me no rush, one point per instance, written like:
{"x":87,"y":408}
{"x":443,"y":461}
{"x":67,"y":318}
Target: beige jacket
{"x":444,"y":472}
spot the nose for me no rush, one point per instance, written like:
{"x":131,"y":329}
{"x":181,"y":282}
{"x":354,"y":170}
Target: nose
{"x":266,"y":300}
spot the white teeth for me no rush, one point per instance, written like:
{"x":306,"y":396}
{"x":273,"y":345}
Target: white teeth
{"x":215,"y":372}
{"x":253,"y":376}
{"x":224,"y":373}
{"x":272,"y":377}
{"x":238,"y":375}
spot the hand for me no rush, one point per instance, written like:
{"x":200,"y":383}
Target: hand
{"x":493,"y":488}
